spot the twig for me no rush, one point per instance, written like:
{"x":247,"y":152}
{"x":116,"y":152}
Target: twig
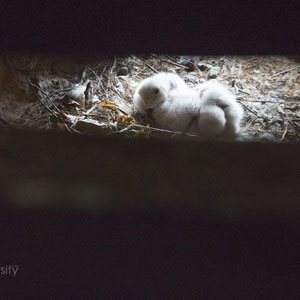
{"x":51,"y":111}
{"x":255,"y":113}
{"x":90,"y":110}
{"x":117,"y":92}
{"x":101,"y":78}
{"x":103,"y":88}
{"x":151,"y":68}
{"x":32,"y":84}
{"x":73,"y":129}
{"x":262,"y":101}
{"x":153,"y":129}
{"x":284,"y":72}
{"x":255,"y":97}
{"x":69,"y":129}
{"x":243,"y":92}
{"x":286,"y":103}
{"x":98,"y":78}
{"x":170,"y":57}
{"x":294,"y":124}
{"x":103,"y":71}
{"x":170,"y":62}
{"x":285,"y":131}
{"x":108,"y":85}
{"x":249,"y":123}
{"x":235,"y":88}
{"x":176,"y":64}
{"x":114,"y":65}
{"x":126,"y":128}
{"x":155,"y":56}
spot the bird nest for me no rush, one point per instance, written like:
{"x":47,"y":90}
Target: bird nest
{"x":98,"y":98}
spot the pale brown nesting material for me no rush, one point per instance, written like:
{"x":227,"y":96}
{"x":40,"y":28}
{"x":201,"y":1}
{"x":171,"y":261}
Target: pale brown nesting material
{"x":268,"y":87}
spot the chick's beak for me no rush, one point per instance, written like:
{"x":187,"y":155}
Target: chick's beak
{"x":146,"y":103}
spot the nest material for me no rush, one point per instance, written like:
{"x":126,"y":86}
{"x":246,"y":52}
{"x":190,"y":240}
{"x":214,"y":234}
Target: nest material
{"x":267,"y":87}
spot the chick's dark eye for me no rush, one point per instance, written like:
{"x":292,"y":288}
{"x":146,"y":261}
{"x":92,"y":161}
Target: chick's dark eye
{"x":156,"y":91}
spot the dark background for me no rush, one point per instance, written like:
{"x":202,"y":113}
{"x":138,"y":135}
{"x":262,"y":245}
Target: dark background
{"x":182,"y":27}
{"x":170,"y":251}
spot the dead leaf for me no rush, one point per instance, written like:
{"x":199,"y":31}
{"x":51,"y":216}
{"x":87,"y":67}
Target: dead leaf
{"x":128,"y":120}
{"x":61,"y":126}
{"x":108,"y":104}
{"x":146,"y":129}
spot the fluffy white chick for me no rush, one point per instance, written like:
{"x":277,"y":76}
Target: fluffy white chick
{"x":173,"y":103}
{"x":219,"y":113}
{"x":178,"y":111}
{"x":152,"y":91}
{"x":209,"y":109}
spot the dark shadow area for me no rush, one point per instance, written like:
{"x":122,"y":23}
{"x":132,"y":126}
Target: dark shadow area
{"x":114,"y":27}
{"x":124,"y":218}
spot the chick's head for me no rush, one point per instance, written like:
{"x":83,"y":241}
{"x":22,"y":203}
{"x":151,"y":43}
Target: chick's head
{"x":152,"y":93}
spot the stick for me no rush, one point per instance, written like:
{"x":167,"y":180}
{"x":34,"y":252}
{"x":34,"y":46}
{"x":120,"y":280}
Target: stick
{"x":52,"y":112}
{"x":98,"y":78}
{"x":175,"y":64}
{"x":286,"y":103}
{"x":43,"y":93}
{"x":151,"y":68}
{"x":284,"y":71}
{"x":285,"y":131}
{"x":153,"y":129}
{"x":255,"y":113}
{"x":243,"y":92}
{"x":114,"y":65}
{"x":170,"y":62}
{"x":294,"y":124}
{"x":170,"y":57}
{"x":108,"y":85}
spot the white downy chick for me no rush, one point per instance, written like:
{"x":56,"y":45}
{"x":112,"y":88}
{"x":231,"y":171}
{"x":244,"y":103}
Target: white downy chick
{"x":209,"y":109}
{"x":155,"y":89}
{"x":219,"y":113}
{"x":179,"y":110}
{"x":174,"y":104}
